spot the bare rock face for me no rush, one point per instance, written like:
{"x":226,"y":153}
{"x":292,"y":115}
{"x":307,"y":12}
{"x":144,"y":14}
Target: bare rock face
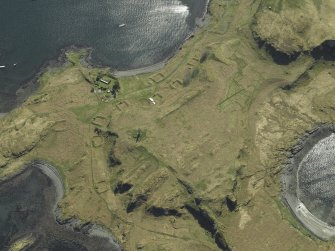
{"x":3,"y":161}
{"x":295,"y":26}
{"x":20,"y":132}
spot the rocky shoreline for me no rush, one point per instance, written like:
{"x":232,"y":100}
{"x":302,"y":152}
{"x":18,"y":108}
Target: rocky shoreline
{"x":86,"y":228}
{"x":32,"y":85}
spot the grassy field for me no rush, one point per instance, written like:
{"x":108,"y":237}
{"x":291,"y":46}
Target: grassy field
{"x":210,"y":149}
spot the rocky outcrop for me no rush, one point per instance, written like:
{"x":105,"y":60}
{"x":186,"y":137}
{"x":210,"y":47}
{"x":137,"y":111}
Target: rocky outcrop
{"x":292,"y":27}
{"x":122,"y":188}
{"x":231,"y":203}
{"x":136,"y":202}
{"x":143,"y":192}
{"x":208,"y":223}
{"x":110,"y":141}
{"x":159,"y":211}
{"x":20,"y":132}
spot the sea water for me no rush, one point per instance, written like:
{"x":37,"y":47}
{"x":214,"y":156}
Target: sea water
{"x":33,"y":31}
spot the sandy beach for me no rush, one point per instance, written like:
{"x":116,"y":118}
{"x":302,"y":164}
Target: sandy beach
{"x":129,"y":73}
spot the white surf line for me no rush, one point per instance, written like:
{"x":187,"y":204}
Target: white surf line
{"x":177,"y":8}
{"x":55,"y":177}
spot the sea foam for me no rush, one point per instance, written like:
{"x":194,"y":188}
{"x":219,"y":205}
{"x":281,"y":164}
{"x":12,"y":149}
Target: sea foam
{"x":178,"y":8}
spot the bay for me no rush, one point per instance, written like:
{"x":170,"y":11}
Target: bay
{"x":33,"y":31}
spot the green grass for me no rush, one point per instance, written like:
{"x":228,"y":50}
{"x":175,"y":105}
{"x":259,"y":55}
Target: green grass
{"x":293,"y":4}
{"x":85,"y":113}
{"x":279,"y":5}
{"x":133,"y":134}
{"x":75,"y":57}
{"x":288,"y":216}
{"x":201,"y":185}
{"x":135,"y":88}
{"x":190,"y":76}
{"x":235,"y":88}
